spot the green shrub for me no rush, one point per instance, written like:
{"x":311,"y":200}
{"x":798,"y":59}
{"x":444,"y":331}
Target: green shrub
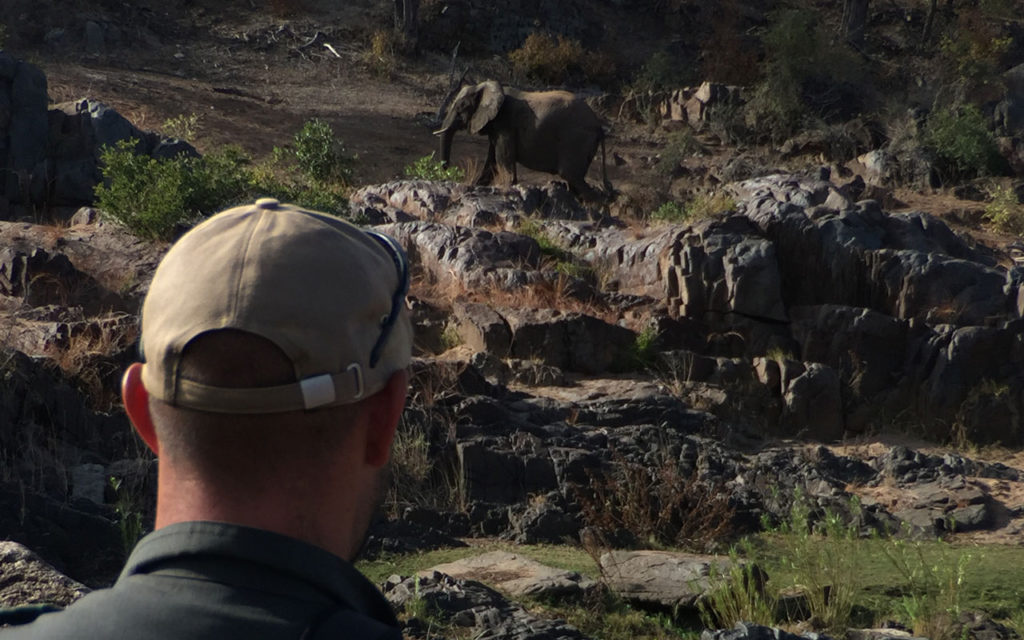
{"x":680,"y":146}
{"x":1005,"y":211}
{"x":427,"y":168}
{"x":152,"y":197}
{"x":803,"y":73}
{"x":961,"y":140}
{"x":183,"y":127}
{"x":146,"y":195}
{"x":320,"y":155}
{"x":700,"y":207}
{"x":662,"y":72}
{"x":671,"y":212}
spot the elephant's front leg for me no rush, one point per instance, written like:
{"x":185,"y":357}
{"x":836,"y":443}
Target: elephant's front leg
{"x":488,"y":172}
{"x":506,"y":151}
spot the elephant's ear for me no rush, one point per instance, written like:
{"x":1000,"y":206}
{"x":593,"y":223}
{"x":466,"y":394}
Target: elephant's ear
{"x":491,"y":97}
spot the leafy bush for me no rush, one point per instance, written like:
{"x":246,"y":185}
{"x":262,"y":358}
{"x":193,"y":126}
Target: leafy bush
{"x":183,"y":127}
{"x":661,"y":72}
{"x":321,"y":155}
{"x":680,"y":146}
{"x":974,"y":51}
{"x":671,"y":212}
{"x":152,"y":197}
{"x":553,"y":60}
{"x":961,"y":140}
{"x":700,"y":207}
{"x":804,"y":75}
{"x":146,"y":195}
{"x":427,"y":168}
{"x":1005,"y":210}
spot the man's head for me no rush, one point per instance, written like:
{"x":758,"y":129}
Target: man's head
{"x":275,"y":342}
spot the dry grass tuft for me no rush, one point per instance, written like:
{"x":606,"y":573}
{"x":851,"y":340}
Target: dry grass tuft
{"x":85,"y":355}
{"x":661,"y":505}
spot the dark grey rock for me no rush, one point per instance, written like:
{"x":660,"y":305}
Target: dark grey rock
{"x":25,"y":579}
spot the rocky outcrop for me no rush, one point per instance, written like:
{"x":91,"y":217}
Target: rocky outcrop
{"x":26,"y":579}
{"x":50,"y":156}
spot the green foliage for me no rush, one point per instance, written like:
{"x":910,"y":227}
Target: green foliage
{"x":153,"y":197}
{"x":738,"y":594}
{"x":320,"y":155}
{"x":427,"y":168}
{"x":671,"y":212}
{"x":933,"y":585}
{"x":800,"y":60}
{"x":662,"y":72}
{"x":680,"y":146}
{"x":183,"y":127}
{"x":148,"y":196}
{"x":825,"y":561}
{"x":548,"y":246}
{"x":700,"y":207}
{"x":961,"y":140}
{"x":556,"y":59}
{"x":1005,"y":211}
{"x":129,"y":513}
{"x":645,"y":348}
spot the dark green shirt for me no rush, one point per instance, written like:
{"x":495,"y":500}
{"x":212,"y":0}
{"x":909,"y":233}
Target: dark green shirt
{"x":210,"y":580}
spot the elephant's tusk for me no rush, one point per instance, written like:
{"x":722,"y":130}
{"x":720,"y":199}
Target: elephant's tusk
{"x":441,"y":131}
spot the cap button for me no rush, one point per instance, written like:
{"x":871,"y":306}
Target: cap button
{"x":267,"y":203}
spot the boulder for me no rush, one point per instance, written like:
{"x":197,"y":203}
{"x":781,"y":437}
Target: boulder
{"x":813,"y":404}
{"x":570,"y":341}
{"x":26,"y":579}
{"x":517,"y":575}
{"x":669,"y":580}
{"x":470,"y":605}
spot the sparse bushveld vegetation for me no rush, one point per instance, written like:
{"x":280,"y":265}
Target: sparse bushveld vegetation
{"x":184,"y":127}
{"x":555,"y":59}
{"x":660,"y":506}
{"x":427,"y":168}
{"x":1005,"y":210}
{"x":963,"y":143}
{"x":699,"y":207}
{"x":806,"y":74}
{"x":381,"y":57}
{"x":153,"y":198}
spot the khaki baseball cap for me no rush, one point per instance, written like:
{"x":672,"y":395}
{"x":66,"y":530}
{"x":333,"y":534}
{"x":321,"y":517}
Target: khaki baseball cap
{"x":330,"y":295}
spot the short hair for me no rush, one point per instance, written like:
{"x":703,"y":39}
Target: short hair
{"x":246,"y":449}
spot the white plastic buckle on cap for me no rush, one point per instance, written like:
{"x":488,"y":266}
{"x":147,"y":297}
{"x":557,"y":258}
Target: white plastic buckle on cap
{"x":317,"y":391}
{"x":357,"y":371}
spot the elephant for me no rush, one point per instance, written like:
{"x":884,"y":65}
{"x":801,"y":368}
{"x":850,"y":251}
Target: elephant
{"x":551,"y":131}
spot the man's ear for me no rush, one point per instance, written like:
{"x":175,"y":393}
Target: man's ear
{"x":136,"y":405}
{"x":383,"y":412}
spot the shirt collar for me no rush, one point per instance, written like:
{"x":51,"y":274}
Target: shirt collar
{"x":262,"y":549}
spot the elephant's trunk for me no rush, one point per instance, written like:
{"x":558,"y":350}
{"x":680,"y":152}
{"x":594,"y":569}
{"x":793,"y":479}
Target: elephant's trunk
{"x":446,"y":145}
